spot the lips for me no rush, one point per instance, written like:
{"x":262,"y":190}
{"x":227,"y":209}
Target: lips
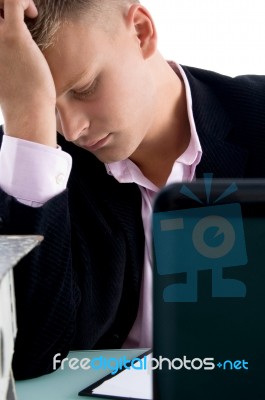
{"x":95,"y":145}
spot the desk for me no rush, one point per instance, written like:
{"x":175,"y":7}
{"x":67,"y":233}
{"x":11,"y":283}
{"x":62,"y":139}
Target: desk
{"x":65,"y":384}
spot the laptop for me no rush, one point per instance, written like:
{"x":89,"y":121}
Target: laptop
{"x":209,"y":290}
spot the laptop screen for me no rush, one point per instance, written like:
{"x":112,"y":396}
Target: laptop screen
{"x":209,"y":290}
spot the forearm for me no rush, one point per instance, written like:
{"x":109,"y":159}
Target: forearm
{"x":27,"y":90}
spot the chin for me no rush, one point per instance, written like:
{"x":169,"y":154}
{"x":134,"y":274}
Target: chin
{"x":109,"y":157}
{"x":109,"y":160}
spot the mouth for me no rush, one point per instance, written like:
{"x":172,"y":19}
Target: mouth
{"x":92,"y":146}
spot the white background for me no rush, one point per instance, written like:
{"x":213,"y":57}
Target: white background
{"x":227,"y":36}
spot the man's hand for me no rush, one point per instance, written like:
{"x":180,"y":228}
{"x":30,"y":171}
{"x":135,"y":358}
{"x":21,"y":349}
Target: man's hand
{"x":27,"y":91}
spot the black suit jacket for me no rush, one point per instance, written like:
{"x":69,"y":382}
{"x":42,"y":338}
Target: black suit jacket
{"x":80,"y":288}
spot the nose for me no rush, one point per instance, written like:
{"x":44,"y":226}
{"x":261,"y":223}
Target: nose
{"x":71,"y":123}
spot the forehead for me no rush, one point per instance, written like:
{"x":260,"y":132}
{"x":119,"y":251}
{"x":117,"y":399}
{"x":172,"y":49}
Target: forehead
{"x":79,"y":48}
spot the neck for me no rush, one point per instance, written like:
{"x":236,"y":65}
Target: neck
{"x":169,"y":135}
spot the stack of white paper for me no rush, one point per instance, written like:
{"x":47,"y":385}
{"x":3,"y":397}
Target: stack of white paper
{"x":130,"y":384}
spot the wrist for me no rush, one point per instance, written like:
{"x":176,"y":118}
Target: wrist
{"x":34,"y":126}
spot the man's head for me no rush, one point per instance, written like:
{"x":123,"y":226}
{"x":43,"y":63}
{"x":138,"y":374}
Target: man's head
{"x":103,"y":59}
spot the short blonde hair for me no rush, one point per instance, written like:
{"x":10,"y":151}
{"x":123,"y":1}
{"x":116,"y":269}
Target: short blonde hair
{"x":52,"y":13}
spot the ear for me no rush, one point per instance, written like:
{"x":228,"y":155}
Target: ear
{"x":140,"y":20}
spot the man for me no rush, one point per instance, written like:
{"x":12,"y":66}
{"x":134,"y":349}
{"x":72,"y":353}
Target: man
{"x":130,"y":122}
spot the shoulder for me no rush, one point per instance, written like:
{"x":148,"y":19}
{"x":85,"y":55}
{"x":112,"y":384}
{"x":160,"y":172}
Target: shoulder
{"x":243,"y":97}
{"x":240,"y":88}
{"x":242,"y":82}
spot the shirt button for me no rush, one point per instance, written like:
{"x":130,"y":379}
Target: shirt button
{"x":60,"y":179}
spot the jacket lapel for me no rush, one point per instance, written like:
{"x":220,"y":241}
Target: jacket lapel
{"x":221,"y":156}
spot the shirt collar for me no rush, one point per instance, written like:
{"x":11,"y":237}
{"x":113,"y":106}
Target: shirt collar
{"x":126,"y":171}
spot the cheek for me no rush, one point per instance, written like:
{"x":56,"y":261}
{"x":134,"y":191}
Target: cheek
{"x":127,"y":100}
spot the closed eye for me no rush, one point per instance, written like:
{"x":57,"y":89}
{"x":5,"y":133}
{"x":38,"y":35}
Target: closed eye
{"x":86,"y":91}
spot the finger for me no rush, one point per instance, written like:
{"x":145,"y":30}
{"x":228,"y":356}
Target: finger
{"x":31,"y":11}
{"x":14,"y":10}
{"x":27,"y":4}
